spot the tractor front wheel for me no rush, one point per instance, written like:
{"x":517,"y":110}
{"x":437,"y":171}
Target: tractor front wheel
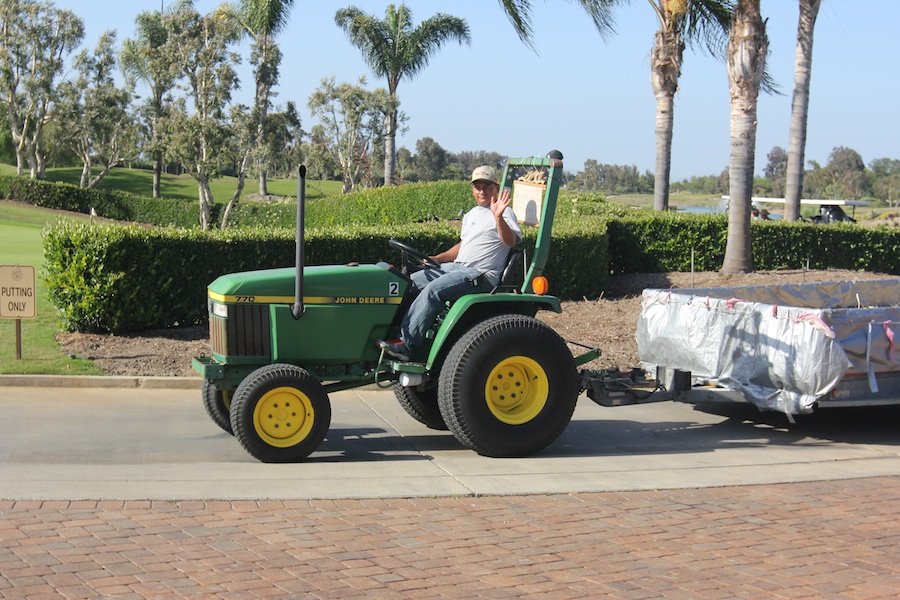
{"x":421,"y":405}
{"x":508,"y":387}
{"x":218,"y":405}
{"x":280,"y":413}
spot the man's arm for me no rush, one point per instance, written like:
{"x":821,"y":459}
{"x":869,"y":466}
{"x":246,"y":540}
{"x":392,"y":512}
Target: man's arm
{"x":498,"y":205}
{"x":448,"y":255}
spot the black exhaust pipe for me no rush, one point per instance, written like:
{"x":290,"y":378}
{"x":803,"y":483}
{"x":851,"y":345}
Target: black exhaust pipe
{"x":298,"y":308}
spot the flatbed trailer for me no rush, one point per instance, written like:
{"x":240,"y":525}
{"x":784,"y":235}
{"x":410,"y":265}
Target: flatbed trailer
{"x":791,"y":348}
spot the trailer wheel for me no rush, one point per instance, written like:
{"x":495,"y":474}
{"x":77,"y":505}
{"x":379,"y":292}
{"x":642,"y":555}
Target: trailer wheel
{"x":218,"y":405}
{"x":508,"y":387}
{"x":421,"y":405}
{"x":280,"y":413}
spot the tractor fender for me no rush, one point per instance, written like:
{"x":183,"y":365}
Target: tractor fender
{"x":476,"y":307}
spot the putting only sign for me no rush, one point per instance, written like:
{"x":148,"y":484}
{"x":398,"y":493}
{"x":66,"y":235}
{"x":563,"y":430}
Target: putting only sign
{"x":18,"y":298}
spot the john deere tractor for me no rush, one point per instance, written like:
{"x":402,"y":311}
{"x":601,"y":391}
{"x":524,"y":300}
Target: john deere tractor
{"x":504,"y":383}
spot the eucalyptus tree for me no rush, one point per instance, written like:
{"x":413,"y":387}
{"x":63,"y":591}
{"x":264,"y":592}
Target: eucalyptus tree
{"x":745,"y":61}
{"x":886,"y":180}
{"x":394,"y":49}
{"x":702,"y":23}
{"x":809,"y":10}
{"x":94,"y":114}
{"x":143,"y":59}
{"x":261,"y":21}
{"x":283,"y":140}
{"x":197,"y":136}
{"x":35,"y":40}
{"x":349,"y":126}
{"x":775,"y":170}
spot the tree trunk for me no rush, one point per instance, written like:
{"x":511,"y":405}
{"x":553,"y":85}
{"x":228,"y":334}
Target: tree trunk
{"x":390,"y":156}
{"x":85,"y":173}
{"x":263,"y":181}
{"x":242,"y":177}
{"x":205,"y":199}
{"x":665,"y":68}
{"x":745,"y":61}
{"x":793,"y":191}
{"x":157,"y":174}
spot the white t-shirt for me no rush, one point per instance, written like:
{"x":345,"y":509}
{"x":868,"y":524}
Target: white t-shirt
{"x":481,"y":247}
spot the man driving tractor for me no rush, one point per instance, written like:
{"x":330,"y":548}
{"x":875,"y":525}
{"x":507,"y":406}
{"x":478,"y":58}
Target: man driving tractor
{"x":474,"y":264}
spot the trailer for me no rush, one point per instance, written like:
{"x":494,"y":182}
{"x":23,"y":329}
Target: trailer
{"x":791,"y":348}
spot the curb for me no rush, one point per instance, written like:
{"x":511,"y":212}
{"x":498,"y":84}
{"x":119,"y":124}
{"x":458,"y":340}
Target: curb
{"x":100,"y":381}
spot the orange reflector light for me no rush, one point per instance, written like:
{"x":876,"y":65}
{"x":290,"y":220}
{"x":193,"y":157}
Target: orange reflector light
{"x":540,"y":285}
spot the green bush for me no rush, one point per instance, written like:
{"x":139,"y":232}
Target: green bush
{"x":117,"y":278}
{"x":117,"y":205}
{"x":110,"y":278}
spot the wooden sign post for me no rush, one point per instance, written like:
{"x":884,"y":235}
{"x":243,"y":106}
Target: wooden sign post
{"x":18,"y":298}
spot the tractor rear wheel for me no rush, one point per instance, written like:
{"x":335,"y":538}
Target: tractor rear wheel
{"x":218,"y":405}
{"x":421,"y":405}
{"x":280,"y":413}
{"x":508,"y":387}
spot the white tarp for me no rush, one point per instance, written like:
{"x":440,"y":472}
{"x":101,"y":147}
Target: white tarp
{"x":780,"y":346}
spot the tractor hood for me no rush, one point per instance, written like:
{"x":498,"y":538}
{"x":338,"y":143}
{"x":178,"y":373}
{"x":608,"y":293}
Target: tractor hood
{"x":333,"y":284}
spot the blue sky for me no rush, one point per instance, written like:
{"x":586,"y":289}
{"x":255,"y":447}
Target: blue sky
{"x":584,"y":95}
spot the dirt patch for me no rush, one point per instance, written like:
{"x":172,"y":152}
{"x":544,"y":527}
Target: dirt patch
{"x":606,"y":323}
{"x":160,"y":352}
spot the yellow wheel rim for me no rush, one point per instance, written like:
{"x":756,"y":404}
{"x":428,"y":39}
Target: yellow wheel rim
{"x":283,"y":417}
{"x":516,"y":390}
{"x":226,"y":399}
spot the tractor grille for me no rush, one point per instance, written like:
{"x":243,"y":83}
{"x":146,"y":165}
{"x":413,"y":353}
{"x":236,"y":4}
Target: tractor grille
{"x":244,"y":333}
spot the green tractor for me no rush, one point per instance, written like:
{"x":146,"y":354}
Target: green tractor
{"x":504,"y":383}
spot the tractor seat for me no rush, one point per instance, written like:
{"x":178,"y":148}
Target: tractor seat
{"x":508,"y":276}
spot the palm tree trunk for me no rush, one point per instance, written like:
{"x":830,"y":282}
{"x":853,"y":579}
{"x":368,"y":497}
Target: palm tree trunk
{"x":390,"y":141}
{"x":745,"y":61}
{"x":665,"y":68}
{"x":809,"y":10}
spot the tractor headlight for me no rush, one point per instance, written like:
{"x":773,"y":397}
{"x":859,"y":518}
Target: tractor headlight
{"x":218,"y":309}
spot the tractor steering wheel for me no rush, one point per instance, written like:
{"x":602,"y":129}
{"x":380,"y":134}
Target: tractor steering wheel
{"x":416,"y":259}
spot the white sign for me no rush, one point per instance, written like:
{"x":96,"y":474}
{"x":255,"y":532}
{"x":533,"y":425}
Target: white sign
{"x":527,"y":201}
{"x":17,"y":292}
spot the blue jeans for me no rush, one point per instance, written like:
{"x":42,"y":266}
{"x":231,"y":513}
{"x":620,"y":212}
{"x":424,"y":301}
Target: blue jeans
{"x":437,"y":287}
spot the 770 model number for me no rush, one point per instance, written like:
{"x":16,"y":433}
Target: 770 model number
{"x":245,"y":298}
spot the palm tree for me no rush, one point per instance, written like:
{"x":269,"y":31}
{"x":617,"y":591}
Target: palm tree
{"x":809,"y":10}
{"x":745,"y":62}
{"x":682,"y":22}
{"x":142,"y":59}
{"x":393,"y":49}
{"x":261,"y":20}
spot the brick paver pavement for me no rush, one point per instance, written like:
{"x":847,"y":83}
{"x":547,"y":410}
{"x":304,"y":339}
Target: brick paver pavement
{"x":835,"y":539}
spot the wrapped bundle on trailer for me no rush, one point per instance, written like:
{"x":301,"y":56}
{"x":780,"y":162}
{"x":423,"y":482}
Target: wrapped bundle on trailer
{"x":790,"y":348}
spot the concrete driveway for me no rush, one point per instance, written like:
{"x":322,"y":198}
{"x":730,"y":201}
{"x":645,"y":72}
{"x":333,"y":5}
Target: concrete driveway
{"x":158,"y":443}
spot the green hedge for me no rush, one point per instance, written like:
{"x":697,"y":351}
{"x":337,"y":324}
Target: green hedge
{"x":117,"y":278}
{"x":108,"y":278}
{"x":117,"y":205}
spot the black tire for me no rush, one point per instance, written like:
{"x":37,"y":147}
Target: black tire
{"x":280,"y":413}
{"x":218,"y":405}
{"x":421,"y":406}
{"x":533,"y":387}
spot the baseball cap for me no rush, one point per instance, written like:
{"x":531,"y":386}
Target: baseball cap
{"x":484,"y":173}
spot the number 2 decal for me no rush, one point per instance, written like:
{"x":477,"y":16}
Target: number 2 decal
{"x":393,"y":288}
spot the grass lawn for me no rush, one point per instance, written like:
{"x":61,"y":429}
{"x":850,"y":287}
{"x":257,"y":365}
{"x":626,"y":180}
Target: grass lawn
{"x":675,"y":199}
{"x":140,"y":182}
{"x":21,"y":244}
